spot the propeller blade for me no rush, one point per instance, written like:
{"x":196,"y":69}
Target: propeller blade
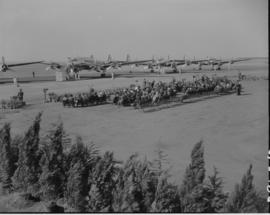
{"x":3,"y":60}
{"x":12,"y":70}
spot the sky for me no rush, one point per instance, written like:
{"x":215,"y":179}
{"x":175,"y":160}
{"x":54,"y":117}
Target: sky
{"x":57,"y":29}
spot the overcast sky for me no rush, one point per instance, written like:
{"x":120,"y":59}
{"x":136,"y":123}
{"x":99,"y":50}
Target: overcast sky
{"x":57,"y":29}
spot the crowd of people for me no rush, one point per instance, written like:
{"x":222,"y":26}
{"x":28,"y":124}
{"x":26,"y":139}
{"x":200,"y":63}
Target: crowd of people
{"x":83,"y":99}
{"x":155,"y":92}
{"x":149,"y":92}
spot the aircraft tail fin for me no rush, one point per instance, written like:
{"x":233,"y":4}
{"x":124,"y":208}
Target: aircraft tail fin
{"x":109,"y":58}
{"x":128,"y":58}
{"x":92,"y":58}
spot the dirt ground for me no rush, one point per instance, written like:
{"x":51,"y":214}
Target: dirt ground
{"x":234,"y":128}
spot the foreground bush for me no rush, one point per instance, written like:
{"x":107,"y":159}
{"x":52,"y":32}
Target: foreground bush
{"x":52,"y":178}
{"x":6,"y":165}
{"x":245,"y":198}
{"x":28,"y":170}
{"x":85,"y":180}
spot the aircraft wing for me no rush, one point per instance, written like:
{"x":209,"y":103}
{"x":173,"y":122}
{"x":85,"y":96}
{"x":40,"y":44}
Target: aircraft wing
{"x":21,"y":64}
{"x":198,"y":61}
{"x":85,"y":66}
{"x":233,"y":60}
{"x":241,"y":59}
{"x":140,"y":62}
{"x":145,"y":63}
{"x":52,"y":63}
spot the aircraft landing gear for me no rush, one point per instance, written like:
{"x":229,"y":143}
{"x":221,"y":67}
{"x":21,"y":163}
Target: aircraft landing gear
{"x":217,"y":68}
{"x":175,"y":70}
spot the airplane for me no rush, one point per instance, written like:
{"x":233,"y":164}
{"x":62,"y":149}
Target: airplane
{"x":217,"y":63}
{"x":75,"y":65}
{"x":213,"y":62}
{"x":5,"y":67}
{"x":114,"y":63}
{"x":172,"y":63}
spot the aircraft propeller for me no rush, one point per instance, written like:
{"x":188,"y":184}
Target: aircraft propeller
{"x":4,"y":66}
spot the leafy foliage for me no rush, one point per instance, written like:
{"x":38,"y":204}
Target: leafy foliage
{"x":15,"y":143}
{"x":52,"y":179}
{"x":192,"y":190}
{"x":6,"y":165}
{"x":27,"y":173}
{"x":244,"y":197}
{"x":217,"y":197}
{"x":80,"y":162}
{"x":136,"y":185}
{"x":167,"y":198}
{"x":102,"y":183}
{"x":91,"y":182}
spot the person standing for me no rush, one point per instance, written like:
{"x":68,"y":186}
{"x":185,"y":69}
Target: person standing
{"x":238,"y":88}
{"x":45,"y":94}
{"x":112,"y":75}
{"x":15,"y":81}
{"x":20,"y":95}
{"x":240,"y":76}
{"x":33,"y":73}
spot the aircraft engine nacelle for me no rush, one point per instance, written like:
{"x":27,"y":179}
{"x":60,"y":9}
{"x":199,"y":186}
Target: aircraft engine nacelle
{"x":157,"y":67}
{"x":4,"y":68}
{"x":187,"y":62}
{"x":150,"y":67}
{"x":115,"y":66}
{"x":217,"y":67}
{"x":53,"y":67}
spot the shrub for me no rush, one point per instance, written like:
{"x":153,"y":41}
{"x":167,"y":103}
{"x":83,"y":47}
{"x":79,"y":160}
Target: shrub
{"x":102,"y":183}
{"x":80,"y":161}
{"x":6,"y":164}
{"x":167,"y":199}
{"x":27,"y":173}
{"x":52,"y":179}
{"x":217,"y":197}
{"x":135,"y":186}
{"x":245,"y":198}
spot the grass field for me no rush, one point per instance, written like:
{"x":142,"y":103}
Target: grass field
{"x":234,"y":128}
